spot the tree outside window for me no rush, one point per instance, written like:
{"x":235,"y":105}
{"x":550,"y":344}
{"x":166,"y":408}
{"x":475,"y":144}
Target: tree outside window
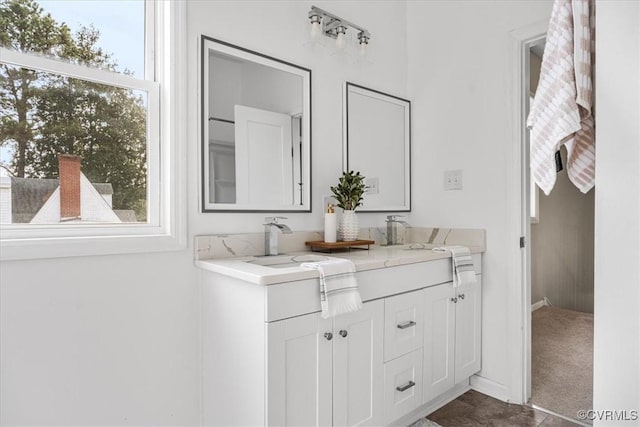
{"x":45,"y":116}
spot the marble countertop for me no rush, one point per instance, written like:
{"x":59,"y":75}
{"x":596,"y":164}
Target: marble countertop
{"x":249,"y":268}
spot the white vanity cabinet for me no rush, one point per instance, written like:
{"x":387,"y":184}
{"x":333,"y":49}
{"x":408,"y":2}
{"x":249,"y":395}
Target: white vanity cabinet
{"x":452,"y":336}
{"x":326,"y":372}
{"x":268,"y":357}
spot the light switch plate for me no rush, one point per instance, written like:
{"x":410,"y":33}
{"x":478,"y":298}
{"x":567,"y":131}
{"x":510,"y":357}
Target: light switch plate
{"x":373,"y":185}
{"x":453,"y":180}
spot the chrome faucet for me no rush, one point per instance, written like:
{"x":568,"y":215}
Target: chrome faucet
{"x":392,"y":228}
{"x":271,"y":235}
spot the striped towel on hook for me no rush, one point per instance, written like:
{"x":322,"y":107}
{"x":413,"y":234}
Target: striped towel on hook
{"x":461,"y":264}
{"x":338,"y":286}
{"x":562,"y":108}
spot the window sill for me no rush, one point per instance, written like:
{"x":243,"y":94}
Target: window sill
{"x":61,"y":247}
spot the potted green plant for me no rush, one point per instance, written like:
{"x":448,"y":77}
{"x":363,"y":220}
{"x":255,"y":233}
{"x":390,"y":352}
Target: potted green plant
{"x":348,"y":193}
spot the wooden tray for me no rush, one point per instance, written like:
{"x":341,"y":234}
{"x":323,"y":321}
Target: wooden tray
{"x":328,"y":247}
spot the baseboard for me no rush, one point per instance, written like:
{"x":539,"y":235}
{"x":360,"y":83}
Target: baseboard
{"x":490,"y":388}
{"x":433,"y":405}
{"x":564,"y":417}
{"x":538,"y":305}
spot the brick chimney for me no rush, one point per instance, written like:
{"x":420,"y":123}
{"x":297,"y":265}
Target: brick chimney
{"x":69,"y":171}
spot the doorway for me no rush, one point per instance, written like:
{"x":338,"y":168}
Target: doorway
{"x":559,"y":281}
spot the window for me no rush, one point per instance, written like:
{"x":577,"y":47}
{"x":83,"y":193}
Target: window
{"x":81,"y":152}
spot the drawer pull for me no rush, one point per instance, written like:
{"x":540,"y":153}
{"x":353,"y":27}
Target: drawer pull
{"x":406,"y":325}
{"x":461,"y":296}
{"x":406,"y":387}
{"x":328,"y":336}
{"x":454,"y":300}
{"x":343,"y":333}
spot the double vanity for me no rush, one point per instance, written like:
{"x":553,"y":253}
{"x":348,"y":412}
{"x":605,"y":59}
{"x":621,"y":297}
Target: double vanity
{"x":269,"y":358}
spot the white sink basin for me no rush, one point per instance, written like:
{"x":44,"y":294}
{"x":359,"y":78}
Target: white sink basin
{"x":419,"y":246}
{"x":286,"y":261}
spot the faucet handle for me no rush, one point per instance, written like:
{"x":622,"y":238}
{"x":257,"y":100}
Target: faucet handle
{"x":273,"y":219}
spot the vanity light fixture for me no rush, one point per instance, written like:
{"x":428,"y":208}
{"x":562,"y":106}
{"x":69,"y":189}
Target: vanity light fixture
{"x":335,"y":27}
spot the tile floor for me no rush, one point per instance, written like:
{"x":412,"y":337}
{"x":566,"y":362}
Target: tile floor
{"x":477,"y":409}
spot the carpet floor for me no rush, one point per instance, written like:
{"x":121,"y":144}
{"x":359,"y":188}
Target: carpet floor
{"x":562,"y":360}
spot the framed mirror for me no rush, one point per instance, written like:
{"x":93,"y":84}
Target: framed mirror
{"x":256,"y":131}
{"x":377,"y":142}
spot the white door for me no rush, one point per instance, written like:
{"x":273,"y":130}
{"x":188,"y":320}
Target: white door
{"x":439,"y":329}
{"x":468,"y":336}
{"x":264,"y":157}
{"x":358,"y":368}
{"x":299,"y":371}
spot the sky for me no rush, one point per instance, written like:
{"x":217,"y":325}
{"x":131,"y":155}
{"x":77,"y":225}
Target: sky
{"x":120,"y":23}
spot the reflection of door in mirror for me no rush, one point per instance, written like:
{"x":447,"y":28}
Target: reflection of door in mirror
{"x":258,"y":134}
{"x":264,"y":156}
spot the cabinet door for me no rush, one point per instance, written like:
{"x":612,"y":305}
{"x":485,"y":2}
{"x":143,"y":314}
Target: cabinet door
{"x":299,"y":363}
{"x":468,"y":336}
{"x":439,"y":321}
{"x":358,"y":367}
{"x":403,"y":324}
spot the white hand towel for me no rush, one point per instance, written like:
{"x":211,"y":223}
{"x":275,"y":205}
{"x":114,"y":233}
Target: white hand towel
{"x":338,"y":286}
{"x":461,"y":264}
{"x":561,"y":110}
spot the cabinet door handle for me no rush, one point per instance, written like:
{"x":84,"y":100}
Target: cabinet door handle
{"x":343,"y":333}
{"x":328,"y":336}
{"x":455,"y":300}
{"x":406,"y":325}
{"x":461,"y":296}
{"x":406,"y":387}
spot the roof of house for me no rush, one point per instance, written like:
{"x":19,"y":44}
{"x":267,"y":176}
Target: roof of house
{"x":126,"y":215}
{"x":103,"y":188}
{"x":29,"y":194}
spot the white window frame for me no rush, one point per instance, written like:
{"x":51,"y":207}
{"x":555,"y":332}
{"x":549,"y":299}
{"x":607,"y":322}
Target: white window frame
{"x":165,"y":59}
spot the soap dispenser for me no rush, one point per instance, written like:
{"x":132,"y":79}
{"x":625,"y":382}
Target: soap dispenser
{"x":330,"y":225}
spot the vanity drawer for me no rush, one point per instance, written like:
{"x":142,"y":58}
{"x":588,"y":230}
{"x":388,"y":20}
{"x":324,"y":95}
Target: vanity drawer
{"x":402,"y":385}
{"x":403,"y":324}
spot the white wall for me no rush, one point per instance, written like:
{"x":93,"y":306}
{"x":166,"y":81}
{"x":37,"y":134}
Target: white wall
{"x":253,"y":85}
{"x":5,"y":200}
{"x":617,"y":227}
{"x":109,"y":340}
{"x":114,"y":340}
{"x":460,"y":87}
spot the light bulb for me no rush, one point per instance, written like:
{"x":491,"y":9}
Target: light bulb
{"x":315,"y":26}
{"x":364,"y":42}
{"x":340,"y":37}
